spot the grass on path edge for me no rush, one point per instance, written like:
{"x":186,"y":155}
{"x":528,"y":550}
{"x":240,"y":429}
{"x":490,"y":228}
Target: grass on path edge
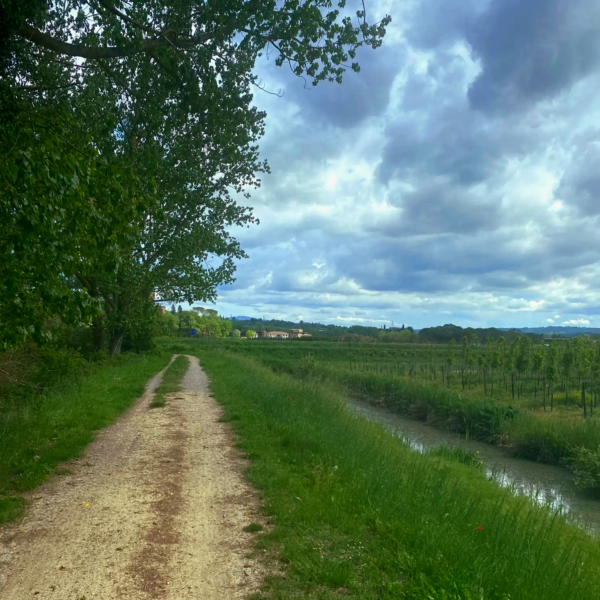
{"x":56,"y":427}
{"x":171,"y":381}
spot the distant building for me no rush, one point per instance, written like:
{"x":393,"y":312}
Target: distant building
{"x":276,"y":335}
{"x":295,"y":333}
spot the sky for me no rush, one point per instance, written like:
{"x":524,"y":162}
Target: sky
{"x":455,"y":179}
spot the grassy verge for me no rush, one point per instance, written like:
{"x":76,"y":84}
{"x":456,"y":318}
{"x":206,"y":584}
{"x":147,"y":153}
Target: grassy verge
{"x":171,"y":381}
{"x":357,"y":515}
{"x":572,"y":443}
{"x":525,"y":434}
{"x":38,"y":433}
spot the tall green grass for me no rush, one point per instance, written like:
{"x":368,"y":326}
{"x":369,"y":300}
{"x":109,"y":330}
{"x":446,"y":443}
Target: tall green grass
{"x":40,"y":431}
{"x":356,"y":514}
{"x":486,"y":419}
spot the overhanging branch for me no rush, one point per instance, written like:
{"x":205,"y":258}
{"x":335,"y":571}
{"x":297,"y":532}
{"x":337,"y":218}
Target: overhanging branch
{"x":97,"y":53}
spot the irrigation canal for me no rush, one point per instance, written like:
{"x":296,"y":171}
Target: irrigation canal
{"x":545,"y":484}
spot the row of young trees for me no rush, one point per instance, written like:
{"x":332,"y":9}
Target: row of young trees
{"x":563,"y":365}
{"x":547,"y":372}
{"x":128,"y":137}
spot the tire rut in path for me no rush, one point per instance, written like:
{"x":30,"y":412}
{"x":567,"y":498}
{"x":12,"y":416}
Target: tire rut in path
{"x":154,"y":509}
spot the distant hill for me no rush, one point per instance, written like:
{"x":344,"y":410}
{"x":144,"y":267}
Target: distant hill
{"x":562,"y":330}
{"x":241,"y":318}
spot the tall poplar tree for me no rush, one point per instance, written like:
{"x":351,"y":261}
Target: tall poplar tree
{"x":129,"y":137}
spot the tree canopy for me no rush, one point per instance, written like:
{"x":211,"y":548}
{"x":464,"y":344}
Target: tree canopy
{"x":129,"y":137}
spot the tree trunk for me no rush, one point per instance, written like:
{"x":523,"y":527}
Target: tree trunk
{"x":116,"y":342}
{"x":544,"y":393}
{"x":98,"y":334}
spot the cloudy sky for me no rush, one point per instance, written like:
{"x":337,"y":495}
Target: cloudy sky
{"x":455,"y":179}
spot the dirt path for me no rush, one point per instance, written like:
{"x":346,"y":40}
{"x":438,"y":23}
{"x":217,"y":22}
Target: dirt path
{"x":154,"y":509}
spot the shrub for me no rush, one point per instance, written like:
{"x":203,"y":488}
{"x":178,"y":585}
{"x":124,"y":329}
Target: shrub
{"x":58,"y":365}
{"x":585,"y":464}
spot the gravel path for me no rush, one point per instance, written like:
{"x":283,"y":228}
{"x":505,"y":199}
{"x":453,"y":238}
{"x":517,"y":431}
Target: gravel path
{"x":154,"y":509}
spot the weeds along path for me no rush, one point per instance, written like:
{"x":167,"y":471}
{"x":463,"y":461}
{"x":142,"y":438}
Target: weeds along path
{"x":154,"y":509}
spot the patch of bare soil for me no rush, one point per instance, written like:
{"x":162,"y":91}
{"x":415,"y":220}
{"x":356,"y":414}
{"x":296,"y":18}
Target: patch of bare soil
{"x":154,"y":509}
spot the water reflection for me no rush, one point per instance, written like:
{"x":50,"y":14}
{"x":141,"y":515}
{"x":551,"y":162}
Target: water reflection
{"x":545,"y":484}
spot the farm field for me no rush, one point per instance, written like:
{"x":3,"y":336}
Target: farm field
{"x":446,"y":386}
{"x":353,"y":513}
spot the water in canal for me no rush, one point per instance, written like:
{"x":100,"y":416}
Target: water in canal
{"x":545,"y":484}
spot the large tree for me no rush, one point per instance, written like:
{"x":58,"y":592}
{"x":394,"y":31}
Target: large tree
{"x":129,"y":135}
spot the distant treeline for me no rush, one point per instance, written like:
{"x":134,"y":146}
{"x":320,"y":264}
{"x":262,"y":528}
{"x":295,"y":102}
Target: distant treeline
{"x":441,"y":334}
{"x":446,"y":333}
{"x":317,"y":330}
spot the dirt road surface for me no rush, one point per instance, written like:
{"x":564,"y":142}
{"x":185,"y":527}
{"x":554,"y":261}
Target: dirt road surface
{"x":154,"y":509}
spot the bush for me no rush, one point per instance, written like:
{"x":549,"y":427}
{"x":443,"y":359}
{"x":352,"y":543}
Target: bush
{"x":59,"y":365}
{"x":585,"y":465}
{"x":482,"y":419}
{"x":29,"y":369}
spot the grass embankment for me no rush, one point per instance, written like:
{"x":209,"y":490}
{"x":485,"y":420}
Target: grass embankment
{"x":171,"y":381}
{"x":357,"y":515}
{"x":574,"y":443}
{"x":483,"y":418}
{"x":39,"y":431}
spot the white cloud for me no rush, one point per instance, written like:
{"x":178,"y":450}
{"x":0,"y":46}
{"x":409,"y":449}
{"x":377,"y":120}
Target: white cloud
{"x":353,"y":319}
{"x":522,"y":305}
{"x":577,"y":322}
{"x":557,"y":316}
{"x":550,"y":321}
{"x":331,"y":181}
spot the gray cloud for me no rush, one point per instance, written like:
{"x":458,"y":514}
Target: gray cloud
{"x":361,"y":95}
{"x":529,"y":50}
{"x":437,"y":22}
{"x":580,"y":185}
{"x":438,"y":207}
{"x":533,"y":50}
{"x":438,"y":184}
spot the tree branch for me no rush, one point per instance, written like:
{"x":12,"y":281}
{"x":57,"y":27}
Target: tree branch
{"x":106,"y":4}
{"x":92,"y":290}
{"x":97,"y":53}
{"x":47,"y":41}
{"x":45,"y":88}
